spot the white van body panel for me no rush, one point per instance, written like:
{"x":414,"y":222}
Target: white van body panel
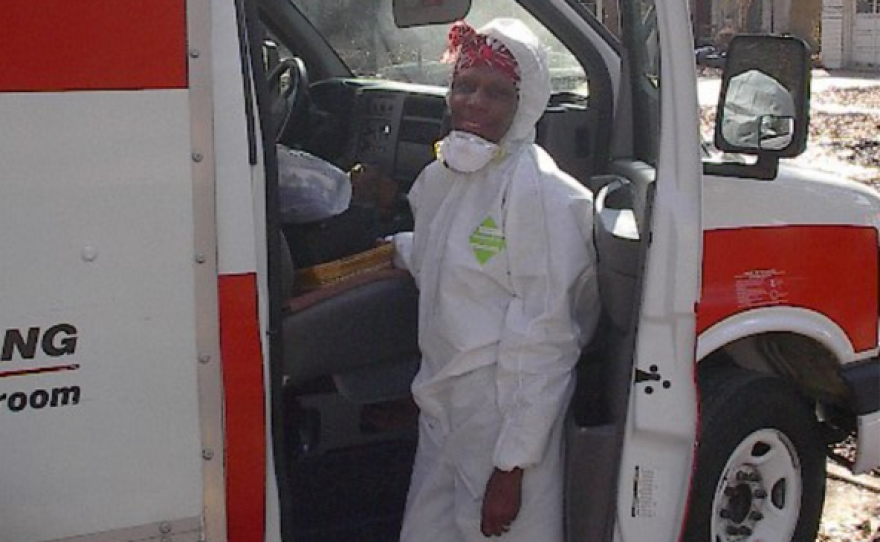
{"x":129,"y":294}
{"x":795,"y":196}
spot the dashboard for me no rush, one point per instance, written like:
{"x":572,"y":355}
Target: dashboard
{"x":396,"y":130}
{"x":390,"y":125}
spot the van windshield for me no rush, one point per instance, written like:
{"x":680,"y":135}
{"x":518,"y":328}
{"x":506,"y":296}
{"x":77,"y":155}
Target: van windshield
{"x":363,"y":34}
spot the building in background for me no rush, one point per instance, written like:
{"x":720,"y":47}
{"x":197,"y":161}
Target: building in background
{"x":851,"y":34}
{"x":841,"y":33}
{"x":709,"y":17}
{"x":798,"y":17}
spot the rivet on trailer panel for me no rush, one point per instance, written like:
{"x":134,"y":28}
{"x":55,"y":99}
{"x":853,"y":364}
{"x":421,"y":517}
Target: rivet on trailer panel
{"x":89,"y":253}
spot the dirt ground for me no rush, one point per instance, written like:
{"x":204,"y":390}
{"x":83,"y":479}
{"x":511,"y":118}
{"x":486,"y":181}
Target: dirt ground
{"x":852,"y":503}
{"x":852,"y":510}
{"x":844,"y":140}
{"x":845,"y":132}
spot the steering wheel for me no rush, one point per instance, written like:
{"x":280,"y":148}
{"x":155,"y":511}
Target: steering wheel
{"x":290,"y":109}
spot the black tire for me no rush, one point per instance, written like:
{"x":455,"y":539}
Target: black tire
{"x":760,"y":463}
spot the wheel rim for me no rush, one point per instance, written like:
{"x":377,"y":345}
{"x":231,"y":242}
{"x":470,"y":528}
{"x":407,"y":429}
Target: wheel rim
{"x":758,"y":496}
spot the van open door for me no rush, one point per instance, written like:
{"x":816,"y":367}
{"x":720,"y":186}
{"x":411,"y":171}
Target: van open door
{"x":632,"y":428}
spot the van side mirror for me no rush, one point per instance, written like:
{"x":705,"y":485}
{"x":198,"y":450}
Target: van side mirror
{"x":409,"y":13}
{"x":763,"y":108}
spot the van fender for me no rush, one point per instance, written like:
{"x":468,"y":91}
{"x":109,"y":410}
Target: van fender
{"x":807,"y":323}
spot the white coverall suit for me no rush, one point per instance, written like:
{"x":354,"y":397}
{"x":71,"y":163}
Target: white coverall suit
{"x":505,"y":266}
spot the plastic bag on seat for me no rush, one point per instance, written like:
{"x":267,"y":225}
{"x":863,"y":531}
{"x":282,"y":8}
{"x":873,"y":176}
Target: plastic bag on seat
{"x":310,"y":189}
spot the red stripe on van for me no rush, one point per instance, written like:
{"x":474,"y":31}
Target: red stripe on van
{"x":831,"y":270}
{"x":52,"y":45}
{"x":244,"y":418}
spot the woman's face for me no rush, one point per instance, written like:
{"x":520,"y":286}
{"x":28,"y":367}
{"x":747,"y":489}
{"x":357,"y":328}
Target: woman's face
{"x":482,"y":101}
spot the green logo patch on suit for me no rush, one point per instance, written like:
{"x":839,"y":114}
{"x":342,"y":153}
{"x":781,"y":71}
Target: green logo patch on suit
{"x":487,"y":240}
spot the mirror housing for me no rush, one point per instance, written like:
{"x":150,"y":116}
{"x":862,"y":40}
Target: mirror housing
{"x":409,"y":13}
{"x":764,"y":105}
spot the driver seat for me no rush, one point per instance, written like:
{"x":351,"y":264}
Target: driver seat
{"x":362,"y":331}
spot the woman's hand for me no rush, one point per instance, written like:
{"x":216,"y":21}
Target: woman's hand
{"x":501,"y":502}
{"x":371,"y":186}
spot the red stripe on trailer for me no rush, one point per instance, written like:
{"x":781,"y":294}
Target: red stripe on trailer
{"x":244,"y":418}
{"x":54,"y":45}
{"x":831,"y":270}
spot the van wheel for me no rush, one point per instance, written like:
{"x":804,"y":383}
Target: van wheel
{"x":760,"y":463}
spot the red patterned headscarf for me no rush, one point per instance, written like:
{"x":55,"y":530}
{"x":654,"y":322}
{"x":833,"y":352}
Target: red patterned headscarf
{"x":467,"y":49}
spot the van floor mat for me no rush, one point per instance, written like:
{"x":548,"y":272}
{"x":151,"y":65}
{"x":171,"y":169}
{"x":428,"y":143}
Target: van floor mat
{"x":352,"y":494}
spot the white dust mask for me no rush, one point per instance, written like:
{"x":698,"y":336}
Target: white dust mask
{"x":463,"y":152}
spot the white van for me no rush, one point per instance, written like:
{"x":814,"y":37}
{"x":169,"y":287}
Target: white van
{"x":180,"y":363}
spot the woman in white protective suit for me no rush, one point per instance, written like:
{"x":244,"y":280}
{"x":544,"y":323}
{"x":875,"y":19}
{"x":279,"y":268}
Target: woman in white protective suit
{"x":502,"y":254}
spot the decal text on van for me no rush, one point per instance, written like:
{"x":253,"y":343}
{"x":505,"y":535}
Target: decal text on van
{"x":55,"y":341}
{"x":40,"y":398}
